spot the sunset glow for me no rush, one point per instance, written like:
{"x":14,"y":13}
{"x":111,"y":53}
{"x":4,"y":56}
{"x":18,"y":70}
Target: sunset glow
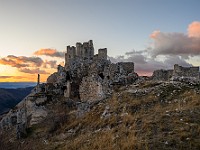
{"x":34,"y":34}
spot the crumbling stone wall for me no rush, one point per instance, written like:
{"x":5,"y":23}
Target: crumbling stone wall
{"x":81,"y":51}
{"x":127,"y":67}
{"x":91,"y":89}
{"x":162,"y":75}
{"x":83,"y":69}
{"x":118,"y":72}
{"x":102,"y":53}
{"x":180,"y":71}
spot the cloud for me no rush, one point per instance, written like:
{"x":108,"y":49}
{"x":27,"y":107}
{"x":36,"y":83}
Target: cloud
{"x":33,"y":71}
{"x":145,"y":65}
{"x":21,"y":61}
{"x":136,"y":56}
{"x":50,"y":64}
{"x":154,"y":34}
{"x":171,"y":60}
{"x":168,"y":49}
{"x":50,"y":52}
{"x":29,"y":65}
{"x":14,"y":77}
{"x":177,"y":43}
{"x":194,"y":29}
{"x":5,"y":77}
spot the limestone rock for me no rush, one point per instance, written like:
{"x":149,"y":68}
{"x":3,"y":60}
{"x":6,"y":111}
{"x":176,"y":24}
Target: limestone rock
{"x":52,"y":78}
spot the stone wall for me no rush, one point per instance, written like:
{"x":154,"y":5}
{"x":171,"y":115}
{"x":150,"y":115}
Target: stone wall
{"x":162,"y":75}
{"x":119,"y":72}
{"x":70,"y":55}
{"x":91,"y":89}
{"x":128,"y":67}
{"x":102,"y":53}
{"x":91,"y":76}
{"x":180,"y":71}
{"x":82,"y":51}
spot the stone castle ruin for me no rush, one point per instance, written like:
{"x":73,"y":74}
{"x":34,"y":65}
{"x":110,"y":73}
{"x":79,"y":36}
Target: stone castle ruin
{"x":177,"y":73}
{"x":83,"y":68}
{"x":83,"y":51}
{"x":86,"y":78}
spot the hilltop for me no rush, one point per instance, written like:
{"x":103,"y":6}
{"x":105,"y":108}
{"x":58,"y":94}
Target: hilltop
{"x":91,"y":103}
{"x":147,"y":115}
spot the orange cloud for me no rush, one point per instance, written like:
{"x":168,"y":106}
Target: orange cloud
{"x":33,"y":71}
{"x":194,"y":29}
{"x":17,"y":78}
{"x":179,"y":44}
{"x":5,"y":77}
{"x":50,"y":52}
{"x":21,"y":61}
{"x":50,"y":64}
{"x":22,"y":68}
{"x":155,"y":34}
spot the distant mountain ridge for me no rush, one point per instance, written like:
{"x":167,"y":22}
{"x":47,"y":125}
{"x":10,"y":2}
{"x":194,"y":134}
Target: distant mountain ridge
{"x":10,"y":97}
{"x":16,"y":85}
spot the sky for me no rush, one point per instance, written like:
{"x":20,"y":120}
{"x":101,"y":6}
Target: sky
{"x":154,"y":34}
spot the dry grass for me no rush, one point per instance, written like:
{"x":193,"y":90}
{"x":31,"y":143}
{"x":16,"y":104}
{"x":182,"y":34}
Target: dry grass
{"x":169,"y":121}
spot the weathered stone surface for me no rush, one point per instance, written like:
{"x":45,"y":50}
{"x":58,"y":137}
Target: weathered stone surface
{"x":52,"y":78}
{"x":91,"y":89}
{"x":180,"y":71}
{"x":162,"y":75}
{"x":177,"y":72}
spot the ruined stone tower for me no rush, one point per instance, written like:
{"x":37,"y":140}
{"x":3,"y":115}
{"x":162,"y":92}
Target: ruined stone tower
{"x":102,"y":53}
{"x":81,"y":51}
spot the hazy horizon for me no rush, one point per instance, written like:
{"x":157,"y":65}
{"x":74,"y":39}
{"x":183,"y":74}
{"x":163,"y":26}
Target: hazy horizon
{"x":15,"y":85}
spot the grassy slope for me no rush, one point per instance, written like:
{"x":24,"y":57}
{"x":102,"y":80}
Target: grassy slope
{"x":165,"y":117}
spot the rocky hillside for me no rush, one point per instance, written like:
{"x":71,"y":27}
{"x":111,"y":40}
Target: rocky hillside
{"x":10,"y":97}
{"x":145,"y":115}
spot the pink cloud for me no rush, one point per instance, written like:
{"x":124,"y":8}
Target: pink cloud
{"x":194,"y":29}
{"x":175,"y":43}
{"x":155,"y":34}
{"x":49,"y":52}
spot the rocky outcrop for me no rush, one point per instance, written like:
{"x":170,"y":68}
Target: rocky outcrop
{"x":52,"y":78}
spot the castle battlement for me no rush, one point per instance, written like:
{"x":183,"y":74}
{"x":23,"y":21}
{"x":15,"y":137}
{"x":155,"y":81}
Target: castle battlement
{"x":83,"y":51}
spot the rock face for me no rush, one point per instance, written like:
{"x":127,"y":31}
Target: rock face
{"x":27,"y":113}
